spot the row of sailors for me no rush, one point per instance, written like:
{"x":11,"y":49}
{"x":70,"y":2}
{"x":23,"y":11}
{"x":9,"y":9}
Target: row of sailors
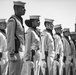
{"x":48,"y":49}
{"x":45,"y":52}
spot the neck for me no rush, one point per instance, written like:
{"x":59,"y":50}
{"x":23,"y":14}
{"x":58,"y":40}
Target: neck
{"x":59,"y":34}
{"x":50,"y":31}
{"x":34,"y":27}
{"x":17,"y":14}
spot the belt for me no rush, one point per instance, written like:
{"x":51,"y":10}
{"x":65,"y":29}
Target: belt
{"x":43,"y":59}
{"x":51,"y":56}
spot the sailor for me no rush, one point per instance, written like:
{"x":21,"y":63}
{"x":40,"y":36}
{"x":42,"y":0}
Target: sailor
{"x":47,"y":43}
{"x":3,"y":45}
{"x":58,"y":47}
{"x":32,"y":45}
{"x":67,"y":50}
{"x":15,"y":38}
{"x":73,"y":51}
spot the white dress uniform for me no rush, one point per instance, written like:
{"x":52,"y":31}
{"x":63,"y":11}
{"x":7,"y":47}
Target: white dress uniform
{"x":59,"y":50}
{"x":73,"y":51}
{"x":32,"y":43}
{"x":47,"y":42}
{"x":15,"y":27}
{"x":3,"y":47}
{"x":67,"y":53}
{"x":3,"y":44}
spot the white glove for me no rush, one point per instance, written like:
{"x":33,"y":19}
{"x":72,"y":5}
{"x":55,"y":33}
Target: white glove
{"x":44,"y":64}
{"x":31,"y":64}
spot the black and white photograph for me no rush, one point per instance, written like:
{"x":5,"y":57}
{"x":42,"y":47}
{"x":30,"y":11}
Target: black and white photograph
{"x":37,"y":37}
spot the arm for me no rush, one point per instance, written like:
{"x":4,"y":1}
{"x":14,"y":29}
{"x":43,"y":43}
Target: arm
{"x":4,"y":43}
{"x":43,"y":45}
{"x":10,"y":36}
{"x":28,"y":45}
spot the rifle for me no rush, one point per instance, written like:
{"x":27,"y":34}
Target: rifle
{"x":71,"y":68}
{"x":57,"y":66}
{"x":64,"y":70}
{"x":32,"y":54}
{"x":46,"y":69}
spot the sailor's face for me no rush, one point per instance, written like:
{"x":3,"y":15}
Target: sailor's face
{"x":36,"y":22}
{"x":67,"y":33}
{"x":58,"y":30}
{"x":49,"y":26}
{"x":22,"y":10}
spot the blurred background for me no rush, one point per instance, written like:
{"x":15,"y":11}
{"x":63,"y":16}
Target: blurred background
{"x":62,"y":11}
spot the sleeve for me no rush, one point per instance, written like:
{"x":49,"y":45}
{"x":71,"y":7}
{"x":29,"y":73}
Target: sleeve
{"x":43,"y":45}
{"x":64,"y":46}
{"x":10,"y":36}
{"x":61,"y":48}
{"x":4,"y":45}
{"x":28,"y":44}
{"x":72,"y":49}
{"x":56,"y":44}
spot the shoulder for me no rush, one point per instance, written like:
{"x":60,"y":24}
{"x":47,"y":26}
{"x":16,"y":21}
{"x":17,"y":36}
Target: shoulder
{"x":56,"y":36}
{"x":43,"y":33}
{"x":64,"y":40}
{"x":28,"y":32}
{"x":2,"y":36}
{"x":11,"y":20}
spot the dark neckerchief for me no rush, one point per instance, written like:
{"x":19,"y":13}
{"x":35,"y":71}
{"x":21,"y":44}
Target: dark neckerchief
{"x":59,"y":35}
{"x":74,"y":42}
{"x":67,"y":38}
{"x":3,"y":32}
{"x":50,"y":31}
{"x":36,"y":31}
{"x":19,"y":18}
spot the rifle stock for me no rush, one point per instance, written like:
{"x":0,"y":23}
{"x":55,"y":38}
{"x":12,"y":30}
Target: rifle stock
{"x":46,"y":69}
{"x":32,"y":54}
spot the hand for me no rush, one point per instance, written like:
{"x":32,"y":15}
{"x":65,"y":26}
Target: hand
{"x":58,"y":56}
{"x":46,"y":53}
{"x":31,"y":64}
{"x":72,"y":60}
{"x":64,"y":59}
{"x":44,"y":64}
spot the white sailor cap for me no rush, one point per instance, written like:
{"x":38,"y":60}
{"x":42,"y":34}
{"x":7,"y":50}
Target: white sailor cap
{"x":2,"y":20}
{"x":34,"y":16}
{"x":19,"y":3}
{"x":49,"y":20}
{"x":65,"y":29}
{"x":73,"y":33}
{"x":57,"y":26}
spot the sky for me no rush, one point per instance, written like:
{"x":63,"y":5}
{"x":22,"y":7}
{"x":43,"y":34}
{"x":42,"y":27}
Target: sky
{"x":62,"y":11}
